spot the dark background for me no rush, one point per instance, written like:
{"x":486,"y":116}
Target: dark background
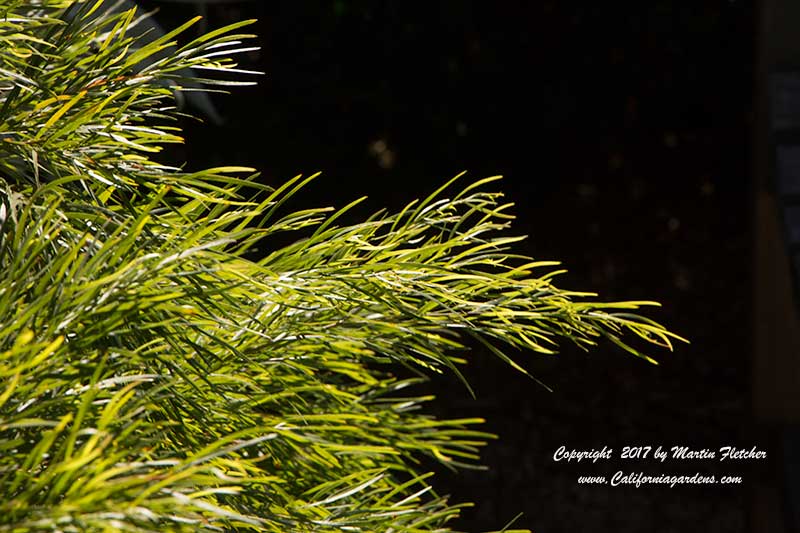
{"x":623,"y":133}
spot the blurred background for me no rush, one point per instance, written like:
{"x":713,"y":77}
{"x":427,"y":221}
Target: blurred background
{"x":628,"y":135}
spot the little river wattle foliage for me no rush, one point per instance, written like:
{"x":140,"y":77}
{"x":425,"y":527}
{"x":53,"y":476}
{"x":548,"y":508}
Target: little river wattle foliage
{"x":163,"y":369}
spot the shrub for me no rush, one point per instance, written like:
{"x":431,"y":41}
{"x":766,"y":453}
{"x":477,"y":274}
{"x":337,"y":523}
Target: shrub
{"x":155,"y":376}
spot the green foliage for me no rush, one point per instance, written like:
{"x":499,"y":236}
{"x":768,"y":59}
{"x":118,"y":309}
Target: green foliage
{"x":152,"y":378}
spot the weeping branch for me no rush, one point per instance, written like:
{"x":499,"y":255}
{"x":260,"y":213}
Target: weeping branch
{"x":155,"y":377}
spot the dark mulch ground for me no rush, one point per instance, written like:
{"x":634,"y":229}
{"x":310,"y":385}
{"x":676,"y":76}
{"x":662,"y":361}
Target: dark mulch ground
{"x":623,"y":135}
